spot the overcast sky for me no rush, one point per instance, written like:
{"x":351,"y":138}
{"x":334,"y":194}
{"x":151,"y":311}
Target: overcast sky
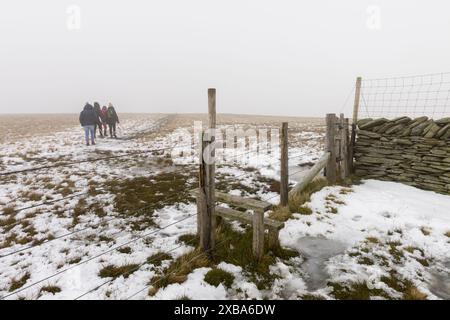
{"x":284,"y":57}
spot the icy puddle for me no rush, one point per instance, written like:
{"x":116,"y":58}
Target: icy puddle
{"x":440,"y":282}
{"x":316,"y":252}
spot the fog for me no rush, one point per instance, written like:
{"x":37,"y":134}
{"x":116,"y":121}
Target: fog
{"x":264,"y":57}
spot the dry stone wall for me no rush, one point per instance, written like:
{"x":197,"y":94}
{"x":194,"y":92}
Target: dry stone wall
{"x":412,"y":151}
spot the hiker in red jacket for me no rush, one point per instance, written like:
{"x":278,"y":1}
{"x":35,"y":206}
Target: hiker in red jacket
{"x":104,"y":117}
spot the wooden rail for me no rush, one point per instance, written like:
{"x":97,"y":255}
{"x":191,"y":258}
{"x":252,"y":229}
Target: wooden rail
{"x":256,"y":219}
{"x":311,"y":174}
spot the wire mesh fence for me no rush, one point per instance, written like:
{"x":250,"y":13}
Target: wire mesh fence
{"x":413,"y":96}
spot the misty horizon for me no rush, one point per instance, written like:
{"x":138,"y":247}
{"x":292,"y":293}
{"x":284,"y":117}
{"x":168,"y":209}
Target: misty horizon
{"x":262,"y":57}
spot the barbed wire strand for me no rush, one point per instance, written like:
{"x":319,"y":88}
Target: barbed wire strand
{"x":66,"y":164}
{"x":149,"y":206}
{"x":173,"y":271}
{"x":96,"y":256}
{"x":149,"y":262}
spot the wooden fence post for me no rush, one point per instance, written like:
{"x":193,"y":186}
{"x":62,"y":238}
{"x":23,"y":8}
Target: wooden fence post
{"x":201,"y":196}
{"x":343,"y":152}
{"x":211,"y":168}
{"x":284,"y":170}
{"x":206,"y":196}
{"x":258,"y":234}
{"x":355,"y":119}
{"x":330,"y":170}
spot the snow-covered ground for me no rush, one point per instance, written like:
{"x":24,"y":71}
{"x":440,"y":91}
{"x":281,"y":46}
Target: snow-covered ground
{"x":58,"y":250}
{"x":377,"y":228}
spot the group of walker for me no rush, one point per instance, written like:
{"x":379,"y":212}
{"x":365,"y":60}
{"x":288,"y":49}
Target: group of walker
{"x":93,"y":117}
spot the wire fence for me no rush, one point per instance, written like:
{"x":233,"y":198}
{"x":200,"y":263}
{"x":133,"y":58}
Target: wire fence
{"x":103,"y":222}
{"x":413,"y":96}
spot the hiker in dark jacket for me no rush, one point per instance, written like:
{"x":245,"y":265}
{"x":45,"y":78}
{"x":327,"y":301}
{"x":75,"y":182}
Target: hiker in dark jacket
{"x":98,"y":125}
{"x":112,"y":119}
{"x":88,"y":119}
{"x":103,"y":117}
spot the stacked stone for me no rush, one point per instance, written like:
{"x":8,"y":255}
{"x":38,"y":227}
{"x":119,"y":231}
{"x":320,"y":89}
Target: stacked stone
{"x":413,"y":151}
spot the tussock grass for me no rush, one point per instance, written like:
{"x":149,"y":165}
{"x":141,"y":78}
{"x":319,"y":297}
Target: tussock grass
{"x":372,"y":240}
{"x":296,"y":202}
{"x":9,"y":211}
{"x":304,"y":209}
{"x":18,"y":283}
{"x":50,"y":289}
{"x":354,"y":291}
{"x":31,"y":195}
{"x":189,"y":239}
{"x":125,"y":250}
{"x":74,"y":260}
{"x":426,"y":231}
{"x":7,"y":222}
{"x":178,"y":271}
{"x":447,"y":234}
{"x":157,"y":258}
{"x":305,"y":195}
{"x":345,"y":190}
{"x":112,"y":271}
{"x":281,"y":214}
{"x":217,"y":276}
{"x":331,"y":209}
{"x":366,"y":261}
{"x":403,"y":286}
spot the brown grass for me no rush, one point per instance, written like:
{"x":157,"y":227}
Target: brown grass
{"x":426,"y":231}
{"x":179,"y":270}
{"x":296,"y":202}
{"x":17,"y":283}
{"x":112,"y":271}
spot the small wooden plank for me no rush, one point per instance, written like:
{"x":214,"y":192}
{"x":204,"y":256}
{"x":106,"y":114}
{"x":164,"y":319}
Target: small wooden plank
{"x":246,"y":203}
{"x":245,"y":217}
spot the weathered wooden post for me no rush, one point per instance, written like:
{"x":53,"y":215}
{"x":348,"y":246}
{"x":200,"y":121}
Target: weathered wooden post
{"x":343,"y":146}
{"x":201,"y":196}
{"x":330,"y":147}
{"x":206,"y":195}
{"x":355,"y":119}
{"x":258,"y":234}
{"x":284,"y":170}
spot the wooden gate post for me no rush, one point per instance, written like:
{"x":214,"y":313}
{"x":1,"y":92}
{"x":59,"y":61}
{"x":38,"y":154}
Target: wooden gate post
{"x":211,"y":168}
{"x":258,"y":234}
{"x":284,"y":170}
{"x":355,"y":119}
{"x":330,"y":170}
{"x":343,"y":152}
{"x":206,"y":195}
